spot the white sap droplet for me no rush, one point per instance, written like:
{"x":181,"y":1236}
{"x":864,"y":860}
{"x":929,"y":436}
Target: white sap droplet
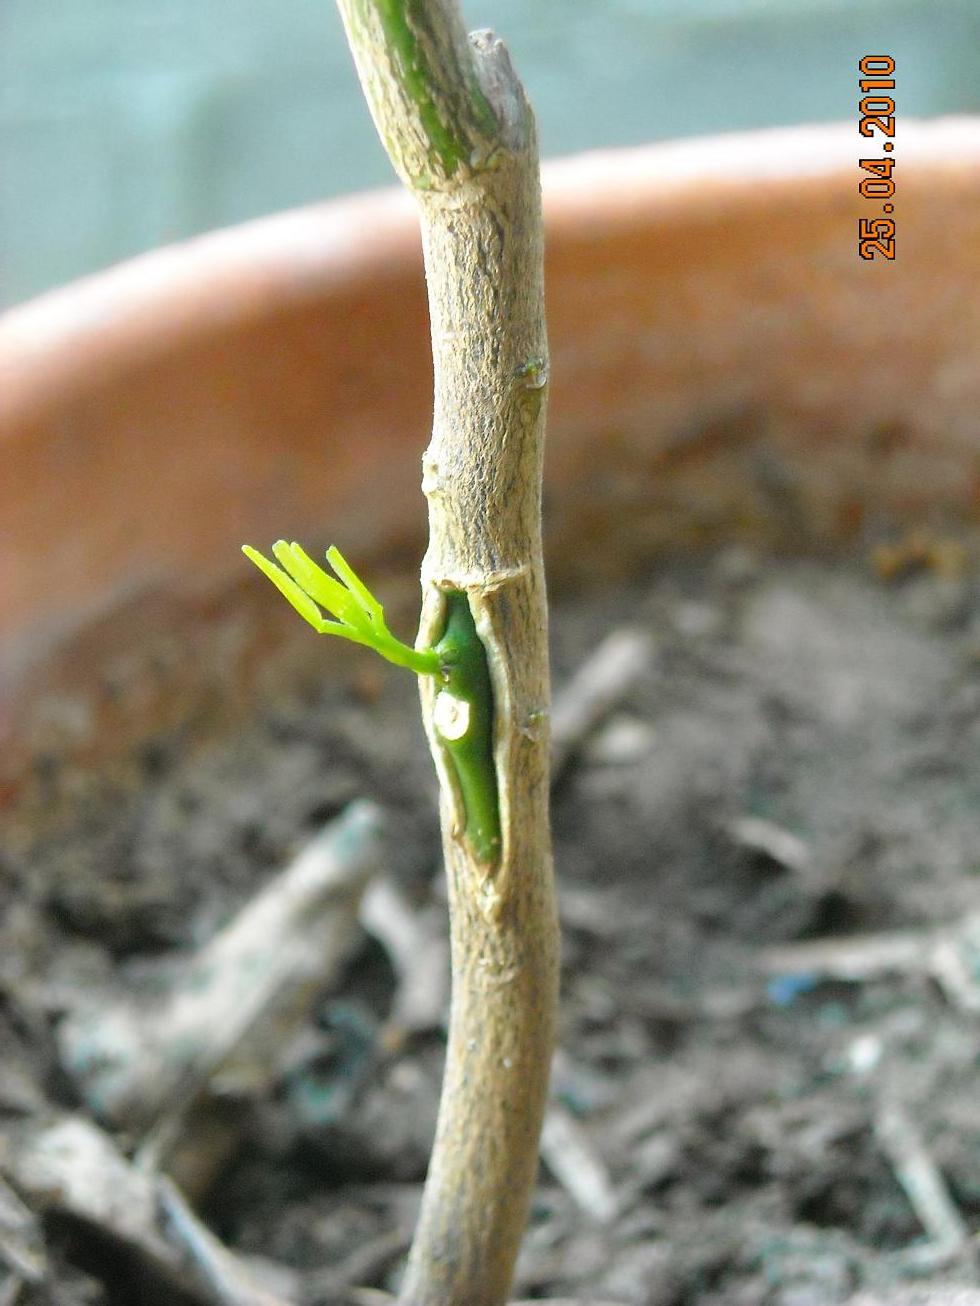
{"x":451,"y":716}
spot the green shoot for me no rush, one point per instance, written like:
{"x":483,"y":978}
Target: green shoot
{"x":356,"y":614}
{"x":464,"y":706}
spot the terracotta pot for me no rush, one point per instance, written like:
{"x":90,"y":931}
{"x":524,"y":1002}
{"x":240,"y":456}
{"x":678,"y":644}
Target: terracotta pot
{"x":724,"y":366}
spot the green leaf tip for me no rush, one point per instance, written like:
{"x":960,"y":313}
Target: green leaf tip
{"x":354,"y":612}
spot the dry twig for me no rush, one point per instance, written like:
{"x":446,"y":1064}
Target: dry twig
{"x":69,"y":1165}
{"x":142,"y":1063}
{"x":923,"y":1182}
{"x":948,"y":953}
{"x":575,"y":1163}
{"x":418,"y":947}
{"x":599,"y":685}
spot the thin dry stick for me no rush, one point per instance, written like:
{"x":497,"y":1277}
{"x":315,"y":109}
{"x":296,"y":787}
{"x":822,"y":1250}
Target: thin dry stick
{"x":922,"y":1180}
{"x":143,"y":1063}
{"x":600,"y":684}
{"x":461,"y":135}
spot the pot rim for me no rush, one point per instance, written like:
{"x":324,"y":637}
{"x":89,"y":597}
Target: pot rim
{"x":301,"y":251}
{"x":739,"y":350}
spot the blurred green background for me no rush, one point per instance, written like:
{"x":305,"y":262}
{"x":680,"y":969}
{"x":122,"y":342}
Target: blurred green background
{"x":125,"y":124}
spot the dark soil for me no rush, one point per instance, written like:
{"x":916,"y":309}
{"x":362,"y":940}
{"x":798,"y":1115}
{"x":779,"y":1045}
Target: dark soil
{"x":739,"y":1105}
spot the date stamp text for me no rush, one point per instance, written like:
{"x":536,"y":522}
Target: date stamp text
{"x":876,"y":231}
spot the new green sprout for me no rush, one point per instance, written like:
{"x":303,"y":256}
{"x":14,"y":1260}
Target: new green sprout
{"x":463,"y":712}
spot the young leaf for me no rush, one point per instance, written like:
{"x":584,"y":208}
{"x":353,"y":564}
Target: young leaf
{"x":329,"y":593}
{"x":359,"y":615}
{"x":353,"y":582}
{"x":303,"y":604}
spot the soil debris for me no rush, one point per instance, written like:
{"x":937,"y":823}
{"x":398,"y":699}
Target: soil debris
{"x":766,"y":835}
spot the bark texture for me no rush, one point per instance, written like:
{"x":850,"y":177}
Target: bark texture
{"x":462,"y":137}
